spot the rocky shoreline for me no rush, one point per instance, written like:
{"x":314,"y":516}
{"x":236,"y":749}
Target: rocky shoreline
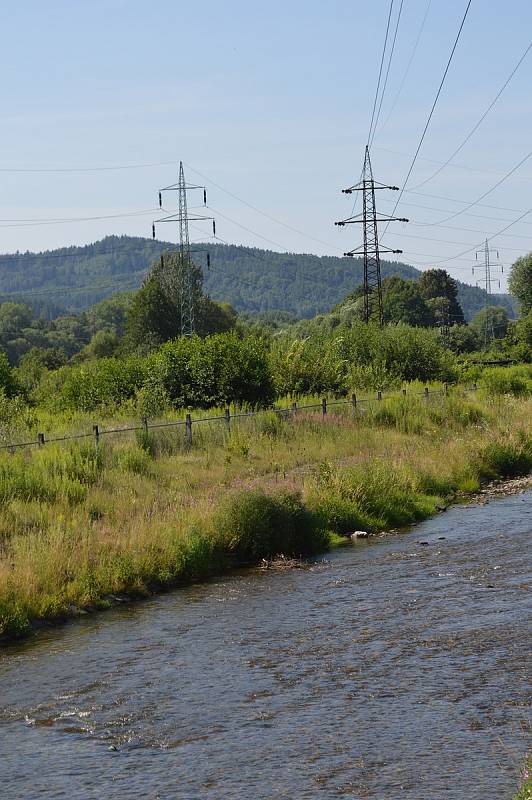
{"x":500,"y":488}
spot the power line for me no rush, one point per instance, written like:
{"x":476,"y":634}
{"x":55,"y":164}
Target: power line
{"x":450,"y":211}
{"x":407,"y":70}
{"x":489,"y":238}
{"x":432,"y":109}
{"x":387,"y":72}
{"x":467,"y":167}
{"x":258,"y":210}
{"x":380,"y":70}
{"x":60,"y":221}
{"x":482,"y":196}
{"x":477,"y":124}
{"x":88,"y":169}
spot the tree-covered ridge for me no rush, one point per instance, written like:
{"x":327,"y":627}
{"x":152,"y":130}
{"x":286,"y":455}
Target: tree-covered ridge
{"x":69,"y":280}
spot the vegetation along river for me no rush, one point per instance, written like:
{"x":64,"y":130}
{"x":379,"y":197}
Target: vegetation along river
{"x":395,"y":668}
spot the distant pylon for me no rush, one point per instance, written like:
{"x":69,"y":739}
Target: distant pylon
{"x":182,"y":217}
{"x":489,"y":333}
{"x":370,"y":250}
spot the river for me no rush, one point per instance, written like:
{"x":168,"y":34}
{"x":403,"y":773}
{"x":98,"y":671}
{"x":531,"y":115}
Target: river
{"x":394,"y":668}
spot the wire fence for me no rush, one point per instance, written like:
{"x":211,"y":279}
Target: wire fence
{"x":226,"y":418}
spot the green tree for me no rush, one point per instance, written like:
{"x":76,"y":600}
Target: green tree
{"x":38,"y":360}
{"x":462,"y":339}
{"x":520,"y":282}
{"x":438,"y":283}
{"x":490,"y":323}
{"x":403,"y":302}
{"x":152,"y":318}
{"x":7,"y":378}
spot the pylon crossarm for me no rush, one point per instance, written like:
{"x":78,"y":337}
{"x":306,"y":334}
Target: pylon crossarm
{"x":350,"y":220}
{"x":175,"y":218}
{"x":360,"y":252}
{"x":175,"y":187}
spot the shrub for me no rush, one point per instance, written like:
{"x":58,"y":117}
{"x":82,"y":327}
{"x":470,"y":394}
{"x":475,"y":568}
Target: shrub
{"x":506,"y":459}
{"x":254,"y":525}
{"x":516,"y":381}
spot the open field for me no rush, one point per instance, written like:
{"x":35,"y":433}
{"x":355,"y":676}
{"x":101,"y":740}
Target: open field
{"x":80,"y":524}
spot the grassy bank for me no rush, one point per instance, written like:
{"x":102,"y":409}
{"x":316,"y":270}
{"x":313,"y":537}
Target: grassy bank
{"x":79,"y":524}
{"x":525,"y":790}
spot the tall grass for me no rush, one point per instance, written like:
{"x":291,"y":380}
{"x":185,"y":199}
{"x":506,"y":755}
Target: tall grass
{"x":80,"y":523}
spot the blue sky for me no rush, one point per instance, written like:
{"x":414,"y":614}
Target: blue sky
{"x":272,"y":102}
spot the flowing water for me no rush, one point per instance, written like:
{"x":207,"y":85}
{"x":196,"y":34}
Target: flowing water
{"x":395,"y":668}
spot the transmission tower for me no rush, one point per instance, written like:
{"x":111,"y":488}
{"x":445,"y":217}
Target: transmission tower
{"x":185,"y":265}
{"x":370,"y":250}
{"x":489,"y":333}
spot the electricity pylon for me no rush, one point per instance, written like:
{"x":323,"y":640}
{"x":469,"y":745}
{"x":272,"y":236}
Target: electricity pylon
{"x":370,"y":250}
{"x":489,"y":333}
{"x":185,"y":275}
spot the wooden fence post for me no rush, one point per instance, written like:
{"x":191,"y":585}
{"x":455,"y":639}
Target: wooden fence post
{"x":145,"y":423}
{"x":404,"y":392}
{"x":324,"y":407}
{"x":228,"y":418}
{"x":188,"y":431}
{"x":426,"y":392}
{"x":40,"y":439}
{"x":354,"y":401}
{"x":379,"y":396}
{"x":446,"y":389}
{"x":294,"y":410}
{"x":96,"y":433}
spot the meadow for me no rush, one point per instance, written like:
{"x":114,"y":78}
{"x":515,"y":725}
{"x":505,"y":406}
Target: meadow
{"x":82,"y":523}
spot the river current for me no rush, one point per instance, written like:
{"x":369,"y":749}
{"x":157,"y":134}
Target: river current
{"x":393,"y":668}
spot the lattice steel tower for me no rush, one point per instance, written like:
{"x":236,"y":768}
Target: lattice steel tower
{"x":489,"y":332}
{"x":185,"y":281}
{"x":370,"y":250}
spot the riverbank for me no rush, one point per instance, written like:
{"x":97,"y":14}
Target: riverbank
{"x":83,"y":528}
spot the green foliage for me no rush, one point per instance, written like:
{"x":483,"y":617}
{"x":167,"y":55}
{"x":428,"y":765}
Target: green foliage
{"x":49,"y":474}
{"x":301,"y":284}
{"x":357,"y":357}
{"x":374,"y":497}
{"x":94,"y":384}
{"x":490,"y":323}
{"x":516,"y":381}
{"x":520,"y":282}
{"x":215,"y":371}
{"x":8,"y":383}
{"x":152,"y":317}
{"x":518,"y":342}
{"x":15,"y":418}
{"x":133,"y":458}
{"x":437,"y":283}
{"x":507,"y":459}
{"x":462,"y":339}
{"x":253,"y":525}
{"x":403,"y":302}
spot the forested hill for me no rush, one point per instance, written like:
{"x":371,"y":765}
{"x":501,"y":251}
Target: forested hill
{"x":74,"y":278}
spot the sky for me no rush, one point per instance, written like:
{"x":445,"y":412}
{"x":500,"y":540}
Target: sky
{"x":269,"y":105}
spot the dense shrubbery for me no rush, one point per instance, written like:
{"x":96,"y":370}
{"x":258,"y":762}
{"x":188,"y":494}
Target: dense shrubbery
{"x":360,"y":356}
{"x":187,"y":372}
{"x":516,"y":381}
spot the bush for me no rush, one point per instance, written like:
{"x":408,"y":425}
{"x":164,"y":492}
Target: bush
{"x":216,"y":371}
{"x":506,"y":459}
{"x":253,"y":525}
{"x":516,"y":381}
{"x":95,"y":384}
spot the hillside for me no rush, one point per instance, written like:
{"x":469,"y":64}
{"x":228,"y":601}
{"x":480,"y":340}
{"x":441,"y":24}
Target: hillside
{"x":72,"y":279}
